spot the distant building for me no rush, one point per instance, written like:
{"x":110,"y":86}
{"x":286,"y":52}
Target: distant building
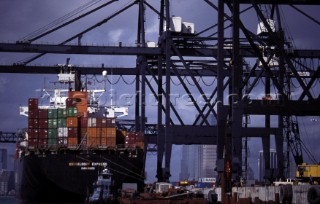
{"x":6,"y":182}
{"x":3,"y":159}
{"x":199,"y":161}
{"x":187,"y":172}
{"x":208,"y":158}
{"x":261,"y":163}
{"x":250,"y":173}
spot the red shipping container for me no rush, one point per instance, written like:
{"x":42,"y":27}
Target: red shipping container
{"x":84,"y":122}
{"x":99,"y":123}
{"x":33,"y":133}
{"x":43,"y":113}
{"x":32,"y":143}
{"x":131,"y":135}
{"x":130,"y":140}
{"x":72,"y":132}
{"x":139,"y":137}
{"x":33,"y":113}
{"x":71,"y":102}
{"x":43,"y":123}
{"x":33,"y":123}
{"x":32,"y":103}
{"x":43,"y":133}
{"x":43,"y":143}
{"x":111,"y":122}
{"x":83,"y":132}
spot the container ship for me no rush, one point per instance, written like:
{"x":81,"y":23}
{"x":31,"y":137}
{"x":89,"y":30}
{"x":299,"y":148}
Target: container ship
{"x":68,"y":142}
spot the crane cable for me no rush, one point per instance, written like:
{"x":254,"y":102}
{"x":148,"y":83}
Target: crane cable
{"x":60,"y":20}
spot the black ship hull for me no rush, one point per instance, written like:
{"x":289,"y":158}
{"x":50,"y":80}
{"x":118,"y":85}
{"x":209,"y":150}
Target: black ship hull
{"x":68,"y":176}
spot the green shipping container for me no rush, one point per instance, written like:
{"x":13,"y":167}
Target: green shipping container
{"x":52,"y":123}
{"x":62,"y":122}
{"x":62,"y":113}
{"x":52,"y":138}
{"x":52,"y":113}
{"x":72,"y":112}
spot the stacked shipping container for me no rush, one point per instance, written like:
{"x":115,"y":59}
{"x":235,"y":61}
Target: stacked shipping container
{"x":134,"y":140}
{"x":69,"y":127}
{"x":33,"y":124}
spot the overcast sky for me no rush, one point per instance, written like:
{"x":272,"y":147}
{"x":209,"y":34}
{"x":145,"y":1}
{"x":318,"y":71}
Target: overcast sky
{"x":20,"y":18}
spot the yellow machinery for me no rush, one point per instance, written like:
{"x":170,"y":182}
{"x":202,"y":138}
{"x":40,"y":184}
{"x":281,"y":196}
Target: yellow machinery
{"x":308,"y":172}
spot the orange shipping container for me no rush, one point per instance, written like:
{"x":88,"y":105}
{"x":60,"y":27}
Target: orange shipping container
{"x":93,"y":142}
{"x":111,"y":132}
{"x":103,"y":132}
{"x":72,"y":142}
{"x":92,"y":132}
{"x":140,"y":145}
{"x":111,"y":141}
{"x":103,"y":141}
{"x":77,"y":94}
{"x":108,"y":132}
{"x":72,"y":122}
{"x":82,"y":110}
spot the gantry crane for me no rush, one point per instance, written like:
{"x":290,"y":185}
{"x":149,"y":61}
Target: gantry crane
{"x":218,"y":56}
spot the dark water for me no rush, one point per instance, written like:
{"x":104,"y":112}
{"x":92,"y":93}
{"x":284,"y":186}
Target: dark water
{"x":13,"y":200}
{"x":8,"y":200}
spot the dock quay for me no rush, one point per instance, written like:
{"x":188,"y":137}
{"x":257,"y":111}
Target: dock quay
{"x":286,"y":194}
{"x":293,"y":194}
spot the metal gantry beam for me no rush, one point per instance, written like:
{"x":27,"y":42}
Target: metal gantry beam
{"x":10,"y":137}
{"x":244,"y":51}
{"x":280,"y":2}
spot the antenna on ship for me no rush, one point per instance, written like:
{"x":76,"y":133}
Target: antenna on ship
{"x":67,"y":75}
{"x":111,"y":89}
{"x":105,"y":77}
